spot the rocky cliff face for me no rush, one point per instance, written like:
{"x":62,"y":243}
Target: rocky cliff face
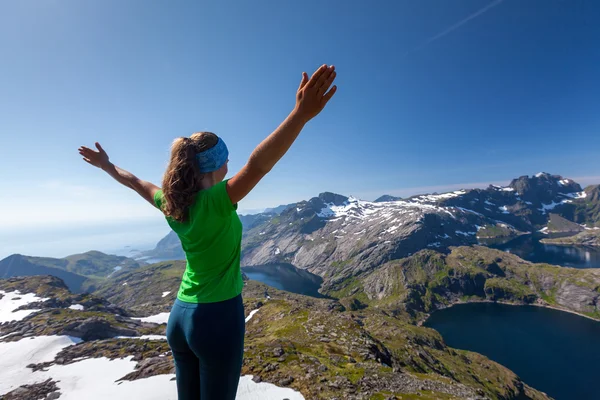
{"x":430,"y":280}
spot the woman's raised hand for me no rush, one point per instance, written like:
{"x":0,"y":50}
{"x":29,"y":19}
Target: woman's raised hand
{"x":314,"y":93}
{"x":96,"y":158}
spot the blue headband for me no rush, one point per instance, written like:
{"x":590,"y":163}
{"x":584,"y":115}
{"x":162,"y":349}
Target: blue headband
{"x":214,"y":158}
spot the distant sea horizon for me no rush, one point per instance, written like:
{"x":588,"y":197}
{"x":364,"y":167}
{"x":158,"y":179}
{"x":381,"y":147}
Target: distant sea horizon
{"x":124,"y":239}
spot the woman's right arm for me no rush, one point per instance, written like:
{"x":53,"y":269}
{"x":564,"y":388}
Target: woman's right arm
{"x":312,"y":96}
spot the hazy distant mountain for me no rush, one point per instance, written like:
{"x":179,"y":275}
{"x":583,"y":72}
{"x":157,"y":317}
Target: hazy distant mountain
{"x":278,"y":209}
{"x":18,"y":265}
{"x":74,"y":270}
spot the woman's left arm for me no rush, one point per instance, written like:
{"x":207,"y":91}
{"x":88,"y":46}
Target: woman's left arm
{"x":100,"y":160}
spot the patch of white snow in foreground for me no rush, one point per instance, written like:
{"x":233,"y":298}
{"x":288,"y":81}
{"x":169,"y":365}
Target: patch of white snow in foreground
{"x":96,"y":378}
{"x":15,"y":356}
{"x":13,"y":300}
{"x":76,"y":307}
{"x":144,"y":337}
{"x":165,"y":294}
{"x":161,"y":318}
{"x":249,"y":317}
{"x":249,"y":390}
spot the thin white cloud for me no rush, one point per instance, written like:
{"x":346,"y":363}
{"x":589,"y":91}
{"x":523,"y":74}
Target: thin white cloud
{"x":457,"y":25}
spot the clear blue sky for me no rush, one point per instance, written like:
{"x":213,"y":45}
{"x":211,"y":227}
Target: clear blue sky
{"x":432,"y":95}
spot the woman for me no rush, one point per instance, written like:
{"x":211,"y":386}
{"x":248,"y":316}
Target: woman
{"x":206,"y":327}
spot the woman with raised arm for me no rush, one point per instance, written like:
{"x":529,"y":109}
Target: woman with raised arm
{"x":206,"y":327}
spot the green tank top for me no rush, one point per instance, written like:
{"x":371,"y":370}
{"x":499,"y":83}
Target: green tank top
{"x":211,"y":240}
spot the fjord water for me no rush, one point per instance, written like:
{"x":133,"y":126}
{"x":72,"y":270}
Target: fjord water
{"x":529,"y":248}
{"x":286,"y":277}
{"x":553,"y":351}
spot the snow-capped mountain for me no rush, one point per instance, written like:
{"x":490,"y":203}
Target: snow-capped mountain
{"x":337,"y":237}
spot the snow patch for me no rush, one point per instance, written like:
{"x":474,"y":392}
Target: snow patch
{"x":504,"y":210}
{"x":15,"y":356}
{"x":438,"y":197}
{"x":503,"y":188}
{"x":576,"y":195}
{"x":250,"y":390}
{"x":249,"y":317}
{"x":76,"y":307}
{"x":144,"y":337}
{"x":161,"y":318}
{"x":277,"y":251}
{"x":13,"y":300}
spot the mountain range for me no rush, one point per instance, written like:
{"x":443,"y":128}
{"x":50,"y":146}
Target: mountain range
{"x":384,"y":265}
{"x":337,"y":237}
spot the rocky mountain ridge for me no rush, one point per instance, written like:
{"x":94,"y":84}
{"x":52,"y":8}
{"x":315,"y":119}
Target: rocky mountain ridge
{"x":338,"y":237}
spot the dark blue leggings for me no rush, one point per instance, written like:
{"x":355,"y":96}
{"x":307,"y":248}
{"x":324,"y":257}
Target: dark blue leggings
{"x":207,"y":341}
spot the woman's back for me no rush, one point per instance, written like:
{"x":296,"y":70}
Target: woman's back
{"x":211,"y":239}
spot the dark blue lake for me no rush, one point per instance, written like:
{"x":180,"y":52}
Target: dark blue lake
{"x":286,"y":277}
{"x":529,"y":248}
{"x":553,"y":351}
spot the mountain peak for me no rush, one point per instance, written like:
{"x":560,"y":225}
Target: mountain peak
{"x":387,"y":197}
{"x":333,"y":198}
{"x":544,"y":181}
{"x":543,"y":187}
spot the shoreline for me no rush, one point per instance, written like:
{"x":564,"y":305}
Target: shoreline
{"x":576,"y":245}
{"x":421,"y":321}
